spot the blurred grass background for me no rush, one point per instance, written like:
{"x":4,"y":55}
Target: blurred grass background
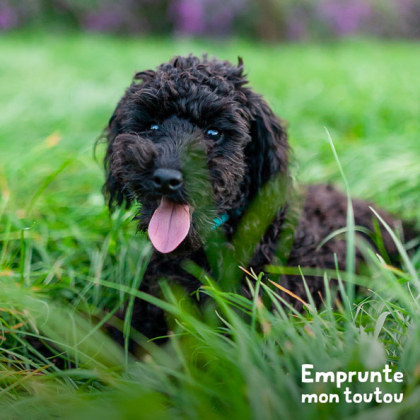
{"x":63,"y":259}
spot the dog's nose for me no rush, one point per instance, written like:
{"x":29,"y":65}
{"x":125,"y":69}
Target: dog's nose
{"x":167,"y":180}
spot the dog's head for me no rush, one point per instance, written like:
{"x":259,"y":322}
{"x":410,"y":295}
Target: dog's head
{"x":189,"y":124}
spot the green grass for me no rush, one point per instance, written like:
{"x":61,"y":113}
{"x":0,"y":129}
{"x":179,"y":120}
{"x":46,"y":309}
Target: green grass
{"x":63,"y":259}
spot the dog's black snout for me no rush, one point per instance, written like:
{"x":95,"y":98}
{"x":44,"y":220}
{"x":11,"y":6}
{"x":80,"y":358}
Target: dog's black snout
{"x":167,"y":180}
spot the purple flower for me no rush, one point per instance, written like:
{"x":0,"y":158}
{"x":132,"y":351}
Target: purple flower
{"x":205,"y":17}
{"x":189,"y":17}
{"x":111,"y":17}
{"x":345,"y":16}
{"x":8,"y":18}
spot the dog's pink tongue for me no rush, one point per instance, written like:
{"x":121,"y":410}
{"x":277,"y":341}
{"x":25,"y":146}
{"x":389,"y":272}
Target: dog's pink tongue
{"x":169,"y":225}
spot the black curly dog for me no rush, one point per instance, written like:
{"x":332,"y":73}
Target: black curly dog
{"x":191,"y":106}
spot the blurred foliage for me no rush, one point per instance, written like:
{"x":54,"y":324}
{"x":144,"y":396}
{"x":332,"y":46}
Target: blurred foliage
{"x":263,"y":19}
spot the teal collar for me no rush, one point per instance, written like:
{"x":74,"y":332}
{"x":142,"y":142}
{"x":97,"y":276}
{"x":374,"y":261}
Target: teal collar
{"x":220,"y":220}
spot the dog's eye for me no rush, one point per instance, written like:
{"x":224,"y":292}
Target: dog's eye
{"x":154,"y":127}
{"x":213,"y":134}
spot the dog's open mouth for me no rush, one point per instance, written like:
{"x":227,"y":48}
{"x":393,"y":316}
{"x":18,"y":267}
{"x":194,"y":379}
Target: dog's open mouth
{"x":169,"y":225}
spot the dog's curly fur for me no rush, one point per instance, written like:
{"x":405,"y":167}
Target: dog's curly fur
{"x":186,"y":97}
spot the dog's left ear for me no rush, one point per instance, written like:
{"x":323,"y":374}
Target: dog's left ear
{"x":267,"y":153}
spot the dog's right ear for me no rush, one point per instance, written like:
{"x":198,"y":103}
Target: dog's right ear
{"x":113,"y":190}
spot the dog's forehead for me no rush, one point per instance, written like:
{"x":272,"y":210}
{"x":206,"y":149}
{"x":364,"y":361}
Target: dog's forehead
{"x":202,"y":67}
{"x":193,"y":80}
{"x":201,"y":91}
{"x":219,"y":76}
